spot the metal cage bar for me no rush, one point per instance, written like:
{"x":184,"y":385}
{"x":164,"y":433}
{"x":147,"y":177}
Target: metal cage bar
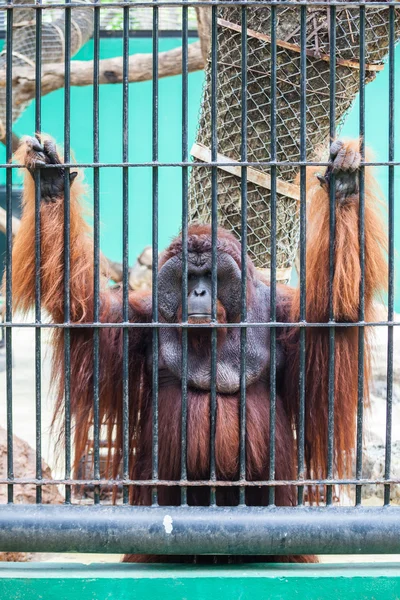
{"x":200,"y":530}
{"x":155,"y":254}
{"x":157,"y":163}
{"x":361,"y":331}
{"x":332,"y":229}
{"x":272,"y":371}
{"x":164,"y":3}
{"x":214,"y":235}
{"x":302,"y":252}
{"x":67,"y":252}
{"x":185,"y":221}
{"x":214,"y":529}
{"x":125,"y":254}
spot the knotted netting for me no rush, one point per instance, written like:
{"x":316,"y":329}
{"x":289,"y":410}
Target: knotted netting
{"x":52,"y":42}
{"x":288,"y":80}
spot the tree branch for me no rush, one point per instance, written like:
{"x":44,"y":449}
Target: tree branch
{"x":140,"y":69}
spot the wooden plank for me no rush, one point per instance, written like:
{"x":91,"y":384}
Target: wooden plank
{"x":54,"y":581}
{"x":289,"y":190}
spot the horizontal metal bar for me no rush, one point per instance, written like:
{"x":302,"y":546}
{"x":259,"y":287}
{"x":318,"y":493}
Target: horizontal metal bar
{"x":170,"y":3}
{"x":200,"y":530}
{"x":155,"y":163}
{"x":300,"y":324}
{"x":197,"y":483}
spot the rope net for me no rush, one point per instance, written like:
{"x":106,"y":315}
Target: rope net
{"x":52,"y":40}
{"x":288,"y":79}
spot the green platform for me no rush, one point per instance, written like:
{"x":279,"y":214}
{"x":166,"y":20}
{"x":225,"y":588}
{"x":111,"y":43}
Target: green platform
{"x":379,"y":581}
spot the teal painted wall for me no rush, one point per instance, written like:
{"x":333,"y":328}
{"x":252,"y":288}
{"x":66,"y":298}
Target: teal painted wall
{"x":170,"y":130}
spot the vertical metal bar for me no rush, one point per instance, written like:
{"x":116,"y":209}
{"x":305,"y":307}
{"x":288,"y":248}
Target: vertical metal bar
{"x":96,"y":257}
{"x":243,"y":331}
{"x":389,"y":397}
{"x":361,"y":312}
{"x":38,"y":332}
{"x":272,"y":417}
{"x":303,"y":238}
{"x":67,"y":252}
{"x":332,"y":228}
{"x":9,"y":390}
{"x":125,"y":255}
{"x":185,"y":121}
{"x":155,"y":253}
{"x":214,"y":237}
